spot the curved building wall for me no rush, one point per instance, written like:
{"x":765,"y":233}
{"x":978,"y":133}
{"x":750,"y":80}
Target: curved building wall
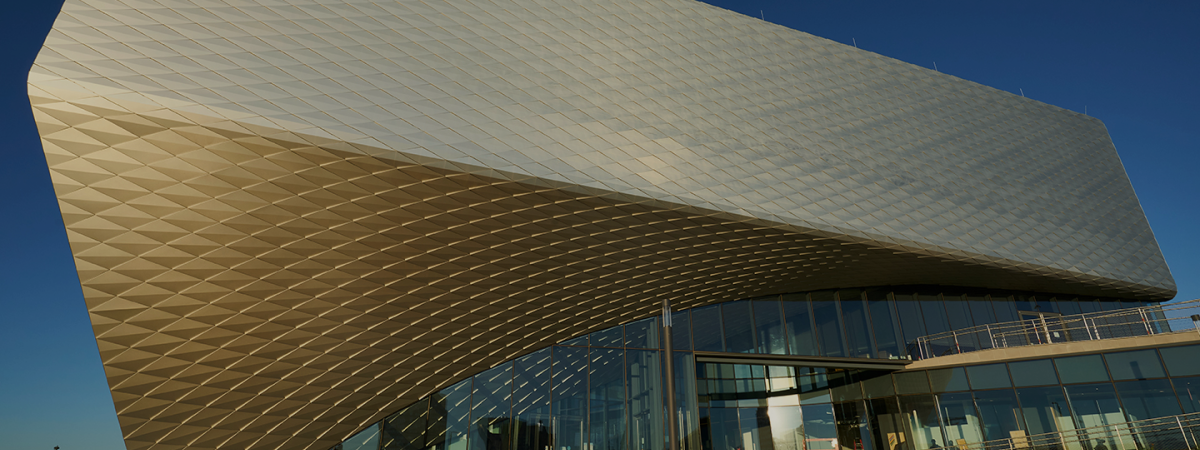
{"x":290,"y":219}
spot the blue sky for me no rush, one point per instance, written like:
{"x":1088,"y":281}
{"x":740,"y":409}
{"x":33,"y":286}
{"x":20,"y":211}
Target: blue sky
{"x":1132,"y":64}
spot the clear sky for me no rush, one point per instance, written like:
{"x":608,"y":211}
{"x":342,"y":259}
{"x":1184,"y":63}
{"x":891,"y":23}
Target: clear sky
{"x":1134,"y":65}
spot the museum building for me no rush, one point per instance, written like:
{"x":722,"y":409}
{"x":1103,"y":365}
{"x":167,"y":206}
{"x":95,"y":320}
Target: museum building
{"x":452,"y":225}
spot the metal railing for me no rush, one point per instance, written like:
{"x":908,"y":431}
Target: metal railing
{"x":1050,"y":328}
{"x":1163,"y":433}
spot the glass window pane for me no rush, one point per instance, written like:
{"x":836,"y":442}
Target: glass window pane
{"x":726,"y":434}
{"x":878,"y":385}
{"x":1045,"y":410}
{"x":646,"y":396}
{"x":681,"y":335}
{"x":611,"y":337}
{"x":911,"y":323}
{"x":1147,"y":399}
{"x":1004,"y":308}
{"x":1094,"y":405}
{"x":844,"y":385}
{"x":960,"y":318}
{"x":982,"y":315}
{"x":1068,"y":305}
{"x":405,"y":430}
{"x":739,"y":327}
{"x":883,"y":323}
{"x":606,"y":399}
{"x":829,"y":323}
{"x":367,"y":439}
{"x":1188,"y":390}
{"x":989,"y":376}
{"x":999,"y":413}
{"x":945,"y":380}
{"x":1182,"y":361}
{"x":858,"y":330}
{"x":959,"y":419}
{"x":581,"y":341}
{"x":768,"y":326}
{"x":787,"y":428}
{"x":1038,"y":372}
{"x":569,"y":405}
{"x":934,"y":311}
{"x":706,"y":329}
{"x":798,"y":319}
{"x":852,"y":426}
{"x":812,"y":385}
{"x":820,"y":428}
{"x":1081,"y":369}
{"x":449,"y":415}
{"x":1135,"y":365}
{"x":911,"y":382}
{"x":531,"y":401}
{"x":686,"y":411}
{"x":755,"y":428}
{"x":923,"y":425}
{"x":887,"y":423}
{"x":491,"y":408}
{"x":643,"y":333}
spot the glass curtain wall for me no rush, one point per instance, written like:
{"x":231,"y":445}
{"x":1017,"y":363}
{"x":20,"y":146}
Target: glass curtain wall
{"x":606,"y":390}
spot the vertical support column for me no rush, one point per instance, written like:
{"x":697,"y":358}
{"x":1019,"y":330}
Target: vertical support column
{"x":669,"y":364}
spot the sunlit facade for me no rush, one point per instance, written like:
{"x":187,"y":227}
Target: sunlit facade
{"x":292,"y":220}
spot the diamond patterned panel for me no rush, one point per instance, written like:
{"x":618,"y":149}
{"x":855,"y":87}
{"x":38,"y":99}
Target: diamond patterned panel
{"x":666,"y":99}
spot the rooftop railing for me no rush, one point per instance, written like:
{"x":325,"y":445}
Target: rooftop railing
{"x":1163,"y":433}
{"x":1050,"y":328}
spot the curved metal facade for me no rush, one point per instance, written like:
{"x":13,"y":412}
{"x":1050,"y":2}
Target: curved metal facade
{"x":292,"y":218}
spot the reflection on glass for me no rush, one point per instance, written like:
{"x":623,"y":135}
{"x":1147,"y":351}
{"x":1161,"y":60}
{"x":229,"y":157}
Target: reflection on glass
{"x":877,"y":384}
{"x":999,"y":414}
{"x":798,"y":317}
{"x":1188,"y":392}
{"x":490,"y":409}
{"x":922,"y":421}
{"x":945,"y":380}
{"x":681,"y":336}
{"x":756,"y":428}
{"x":569,"y":401}
{"x":726,"y":434}
{"x":405,"y":430}
{"x":644,"y":333}
{"x":1135,"y":365}
{"x":911,"y":323}
{"x":768,"y":326}
{"x":829,"y":323}
{"x":1045,"y":410}
{"x":606,"y":399}
{"x":1182,"y":361}
{"x":367,"y":439}
{"x":820,"y":428}
{"x":853,"y":430}
{"x":611,"y":337}
{"x":883,"y":323}
{"x":1147,"y":399}
{"x":1006,"y":310}
{"x":531,"y":401}
{"x":989,"y":376}
{"x":983,"y":314}
{"x":911,"y":382}
{"x":706,"y":329}
{"x":960,"y":422}
{"x":787,"y":428}
{"x":960,"y":318}
{"x":1038,"y":372}
{"x":858,"y":329}
{"x":844,"y":385}
{"x":887,"y":424}
{"x":687,"y":415}
{"x":646,"y":395}
{"x":1081,"y":369}
{"x":1095,"y":405}
{"x":739,"y":327}
{"x":813,"y":386}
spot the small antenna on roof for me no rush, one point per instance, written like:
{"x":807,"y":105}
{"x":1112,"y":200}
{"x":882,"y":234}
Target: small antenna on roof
{"x":935,"y":67}
{"x":1022,"y":91}
{"x":855,"y":42}
{"x":760,"y":14}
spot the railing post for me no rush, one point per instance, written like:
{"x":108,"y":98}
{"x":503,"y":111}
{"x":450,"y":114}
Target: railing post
{"x":991,"y":338}
{"x":1086,"y":329}
{"x":957,"y":348}
{"x":1145,"y":323}
{"x":1045,"y":328}
{"x":1182,"y":432}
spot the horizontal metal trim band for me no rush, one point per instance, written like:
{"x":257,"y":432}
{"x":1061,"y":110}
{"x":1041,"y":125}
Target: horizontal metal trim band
{"x":802,"y":361}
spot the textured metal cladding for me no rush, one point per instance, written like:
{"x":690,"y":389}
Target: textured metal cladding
{"x":291,"y":218}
